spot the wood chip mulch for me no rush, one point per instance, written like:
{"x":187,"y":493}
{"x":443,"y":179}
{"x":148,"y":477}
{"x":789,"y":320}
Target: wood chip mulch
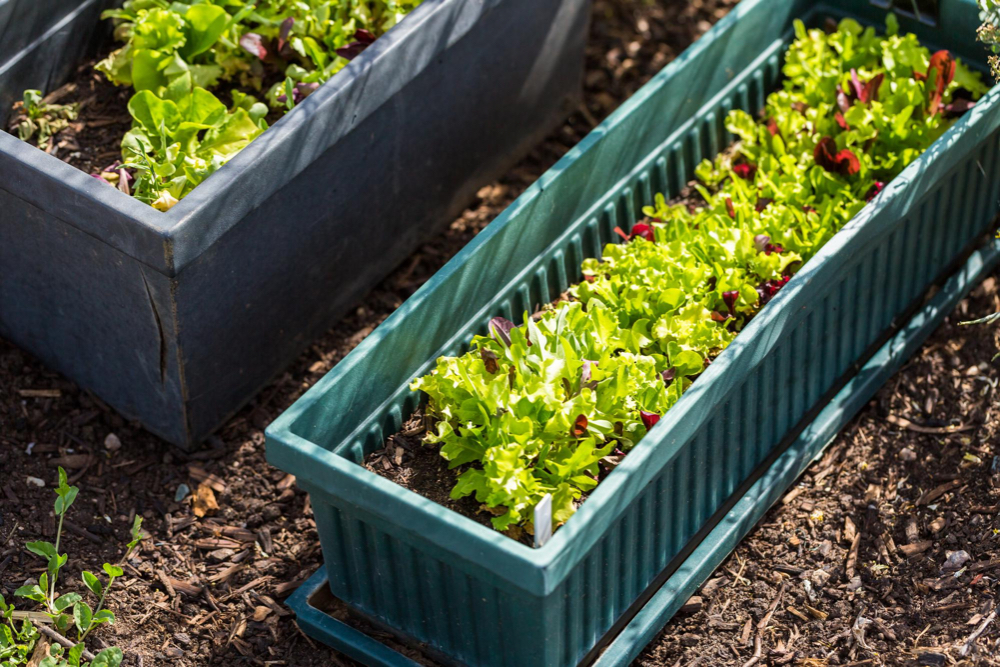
{"x":887,"y":550}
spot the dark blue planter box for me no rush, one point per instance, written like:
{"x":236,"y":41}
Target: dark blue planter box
{"x":178,"y":318}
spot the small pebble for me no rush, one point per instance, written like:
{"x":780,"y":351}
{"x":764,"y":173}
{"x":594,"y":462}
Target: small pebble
{"x":40,"y":483}
{"x":112,"y":443}
{"x":907,"y":454}
{"x":956,"y":559}
{"x":182,"y":492}
{"x":819,"y":578}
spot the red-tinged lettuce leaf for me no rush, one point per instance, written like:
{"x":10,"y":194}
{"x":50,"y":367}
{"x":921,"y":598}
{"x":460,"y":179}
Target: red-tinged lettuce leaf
{"x":940,"y":72}
{"x":730,"y":208}
{"x":731,"y":297}
{"x":580,"y":426}
{"x":769,"y":288}
{"x":763,"y":244}
{"x":859,"y":91}
{"x":843,"y":100}
{"x":873,"y":191}
{"x":490,"y":360}
{"x":364,"y":36}
{"x":958,"y":107}
{"x":842,"y":162}
{"x":841,"y":121}
{"x":283,"y":32}
{"x":644,"y":230}
{"x":745,"y":171}
{"x":362,"y":40}
{"x":856,"y":87}
{"x":253,"y":44}
{"x":640,"y":229}
{"x":719,"y":317}
{"x":763,"y":203}
{"x":500,"y":329}
{"x":870,"y":91}
{"x":649,"y":419}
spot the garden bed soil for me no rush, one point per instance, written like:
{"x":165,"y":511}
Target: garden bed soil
{"x":93,"y":141}
{"x":208,"y":591}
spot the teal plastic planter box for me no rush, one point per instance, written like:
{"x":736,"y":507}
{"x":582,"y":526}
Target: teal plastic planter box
{"x":480,"y":598}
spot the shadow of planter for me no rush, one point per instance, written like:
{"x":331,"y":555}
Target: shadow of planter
{"x":446,"y":581}
{"x":178,"y":318}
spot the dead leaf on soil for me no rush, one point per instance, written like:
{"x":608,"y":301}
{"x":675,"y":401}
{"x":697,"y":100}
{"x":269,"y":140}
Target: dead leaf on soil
{"x":41,"y":652}
{"x":204,"y":501}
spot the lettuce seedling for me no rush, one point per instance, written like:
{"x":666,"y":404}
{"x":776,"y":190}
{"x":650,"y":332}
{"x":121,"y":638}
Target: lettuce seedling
{"x":534,"y":410}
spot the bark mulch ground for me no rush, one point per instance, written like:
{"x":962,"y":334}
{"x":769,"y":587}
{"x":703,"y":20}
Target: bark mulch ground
{"x":887,"y":550}
{"x":208,"y":590}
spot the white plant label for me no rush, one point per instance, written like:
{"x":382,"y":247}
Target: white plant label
{"x":543,"y":520}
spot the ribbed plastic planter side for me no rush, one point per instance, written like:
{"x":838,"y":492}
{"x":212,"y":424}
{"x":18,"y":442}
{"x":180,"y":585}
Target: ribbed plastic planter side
{"x":483,"y":599}
{"x":178,"y":318}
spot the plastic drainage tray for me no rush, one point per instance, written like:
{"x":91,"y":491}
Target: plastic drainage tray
{"x":178,"y":318}
{"x":728,"y":529}
{"x":464,"y":590}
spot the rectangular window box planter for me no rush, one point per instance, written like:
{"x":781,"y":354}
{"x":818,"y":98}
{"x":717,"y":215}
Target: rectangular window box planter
{"x":178,"y":318}
{"x":480,"y":598}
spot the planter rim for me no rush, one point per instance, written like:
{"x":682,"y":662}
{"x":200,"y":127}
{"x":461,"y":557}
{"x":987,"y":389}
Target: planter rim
{"x":539,"y":571}
{"x":168,"y":241}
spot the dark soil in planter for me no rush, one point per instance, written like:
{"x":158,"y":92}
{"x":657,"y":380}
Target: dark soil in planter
{"x":93,"y":140}
{"x":209,"y":591}
{"x":413,"y":465}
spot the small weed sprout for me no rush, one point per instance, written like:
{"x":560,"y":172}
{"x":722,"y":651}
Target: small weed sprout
{"x":36,"y":119}
{"x":67,"y":612}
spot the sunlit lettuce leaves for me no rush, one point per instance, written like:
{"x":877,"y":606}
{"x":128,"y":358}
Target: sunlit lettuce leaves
{"x":539,"y":409}
{"x":539,"y":412}
{"x":170,"y":48}
{"x":174,"y":146}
